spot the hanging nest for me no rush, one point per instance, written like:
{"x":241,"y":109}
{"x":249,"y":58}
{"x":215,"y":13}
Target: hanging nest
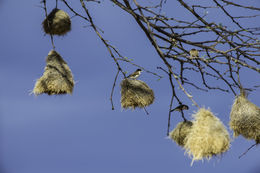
{"x":135,"y":93}
{"x":180,"y":132}
{"x":208,"y":136}
{"x":57,"y":22}
{"x":245,"y":118}
{"x":57,"y":77}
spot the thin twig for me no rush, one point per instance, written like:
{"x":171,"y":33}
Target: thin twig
{"x":147,"y":113}
{"x":112,"y":91}
{"x":56,"y":4}
{"x":169,"y":116}
{"x":48,"y":22}
{"x":247,"y":150}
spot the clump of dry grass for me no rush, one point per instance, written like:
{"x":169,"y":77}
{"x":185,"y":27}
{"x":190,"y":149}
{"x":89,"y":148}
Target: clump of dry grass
{"x":245,"y":118}
{"x":57,"y":23}
{"x":57,"y":77}
{"x":208,"y":136}
{"x":180,"y":132}
{"x":135,"y":93}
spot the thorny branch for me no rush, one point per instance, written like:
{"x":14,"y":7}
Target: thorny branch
{"x":229,"y":49}
{"x":225,"y":49}
{"x":114,"y":53}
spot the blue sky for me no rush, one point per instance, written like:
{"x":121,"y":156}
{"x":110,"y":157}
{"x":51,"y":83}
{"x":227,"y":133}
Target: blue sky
{"x":80,"y":133}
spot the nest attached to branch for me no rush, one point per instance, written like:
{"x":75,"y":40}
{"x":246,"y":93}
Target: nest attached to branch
{"x":180,"y":132}
{"x":208,"y":136}
{"x":135,"y":93}
{"x":57,"y":77}
{"x":245,"y":118}
{"x":57,"y":22}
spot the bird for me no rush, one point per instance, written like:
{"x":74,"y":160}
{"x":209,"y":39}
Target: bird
{"x":135,"y":75}
{"x":180,"y":108}
{"x":194,"y":53}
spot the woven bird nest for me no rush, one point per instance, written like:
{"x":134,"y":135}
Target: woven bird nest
{"x":208,"y":136}
{"x":180,"y":132}
{"x":135,"y":93}
{"x":245,"y":118}
{"x":57,"y":77}
{"x":57,"y":23}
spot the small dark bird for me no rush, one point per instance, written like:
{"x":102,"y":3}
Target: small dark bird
{"x":136,"y":74}
{"x":180,"y":108}
{"x":194,"y":53}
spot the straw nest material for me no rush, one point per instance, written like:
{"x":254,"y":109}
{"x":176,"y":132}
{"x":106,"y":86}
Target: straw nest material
{"x":208,"y":136}
{"x":245,"y":118}
{"x":57,"y":77}
{"x":135,"y":93}
{"x":57,"y":22}
{"x":180,"y":132}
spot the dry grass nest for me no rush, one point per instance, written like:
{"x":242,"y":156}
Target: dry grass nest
{"x":208,"y":136}
{"x":57,"y":77}
{"x":135,"y":93}
{"x":180,"y":132}
{"x":57,"y":23}
{"x":245,"y":118}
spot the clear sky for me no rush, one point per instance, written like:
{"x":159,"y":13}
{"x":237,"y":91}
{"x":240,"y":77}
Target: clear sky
{"x":80,"y":133}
